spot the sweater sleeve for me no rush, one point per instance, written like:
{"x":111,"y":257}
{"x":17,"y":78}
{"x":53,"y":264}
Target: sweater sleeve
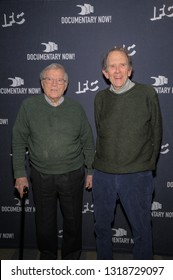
{"x":87,"y":143}
{"x":20,"y":136}
{"x":156,"y":123}
{"x":97,"y":108}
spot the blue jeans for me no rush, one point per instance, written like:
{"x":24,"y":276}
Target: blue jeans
{"x":135,"y":193}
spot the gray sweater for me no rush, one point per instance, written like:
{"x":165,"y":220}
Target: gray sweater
{"x":59,"y":139}
{"x":128,"y":130}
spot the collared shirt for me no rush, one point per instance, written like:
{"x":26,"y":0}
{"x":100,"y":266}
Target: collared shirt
{"x":128,"y":85}
{"x":53,"y":104}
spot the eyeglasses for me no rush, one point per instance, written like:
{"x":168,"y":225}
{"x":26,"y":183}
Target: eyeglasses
{"x":51,"y":81}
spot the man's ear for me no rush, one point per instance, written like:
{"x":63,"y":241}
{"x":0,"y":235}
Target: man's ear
{"x":41,"y":83}
{"x":66,"y":87}
{"x":130,"y":72}
{"x":105,"y":74}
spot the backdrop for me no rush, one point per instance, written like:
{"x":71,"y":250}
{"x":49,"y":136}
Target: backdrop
{"x":77,"y":34}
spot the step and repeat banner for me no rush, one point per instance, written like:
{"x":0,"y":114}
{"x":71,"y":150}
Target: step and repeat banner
{"x":77,"y":34}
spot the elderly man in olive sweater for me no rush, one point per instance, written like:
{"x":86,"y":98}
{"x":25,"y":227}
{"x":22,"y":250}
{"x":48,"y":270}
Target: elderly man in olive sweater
{"x":129,"y":131}
{"x":57,"y":134}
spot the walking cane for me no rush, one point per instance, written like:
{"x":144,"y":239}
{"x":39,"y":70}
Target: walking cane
{"x":22,"y":224}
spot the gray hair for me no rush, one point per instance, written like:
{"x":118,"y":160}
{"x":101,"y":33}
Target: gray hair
{"x":55,"y":66}
{"x":119,"y":49}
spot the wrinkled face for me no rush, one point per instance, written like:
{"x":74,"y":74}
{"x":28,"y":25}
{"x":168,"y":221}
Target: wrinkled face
{"x":118,"y":69}
{"x":54,"y":84}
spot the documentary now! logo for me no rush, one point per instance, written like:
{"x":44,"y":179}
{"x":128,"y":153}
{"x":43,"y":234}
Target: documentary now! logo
{"x":157,"y":212}
{"x":17,"y":208}
{"x":50,"y":52}
{"x":86,"y":15}
{"x":160,"y":85}
{"x":16,"y":84}
{"x":120,"y":236}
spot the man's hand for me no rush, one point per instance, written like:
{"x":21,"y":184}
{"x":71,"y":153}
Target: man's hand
{"x":88,"y":182}
{"x":20,"y":184}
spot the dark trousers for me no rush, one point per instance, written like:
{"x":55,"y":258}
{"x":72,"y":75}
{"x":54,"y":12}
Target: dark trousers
{"x":47,"y":189}
{"x":135,"y":193}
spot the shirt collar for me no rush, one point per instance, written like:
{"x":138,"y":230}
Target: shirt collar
{"x":128,"y":85}
{"x":53,"y":104}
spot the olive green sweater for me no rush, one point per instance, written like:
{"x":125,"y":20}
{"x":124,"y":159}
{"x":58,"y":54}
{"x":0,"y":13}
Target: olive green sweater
{"x":59,"y":139}
{"x":128,"y":130}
